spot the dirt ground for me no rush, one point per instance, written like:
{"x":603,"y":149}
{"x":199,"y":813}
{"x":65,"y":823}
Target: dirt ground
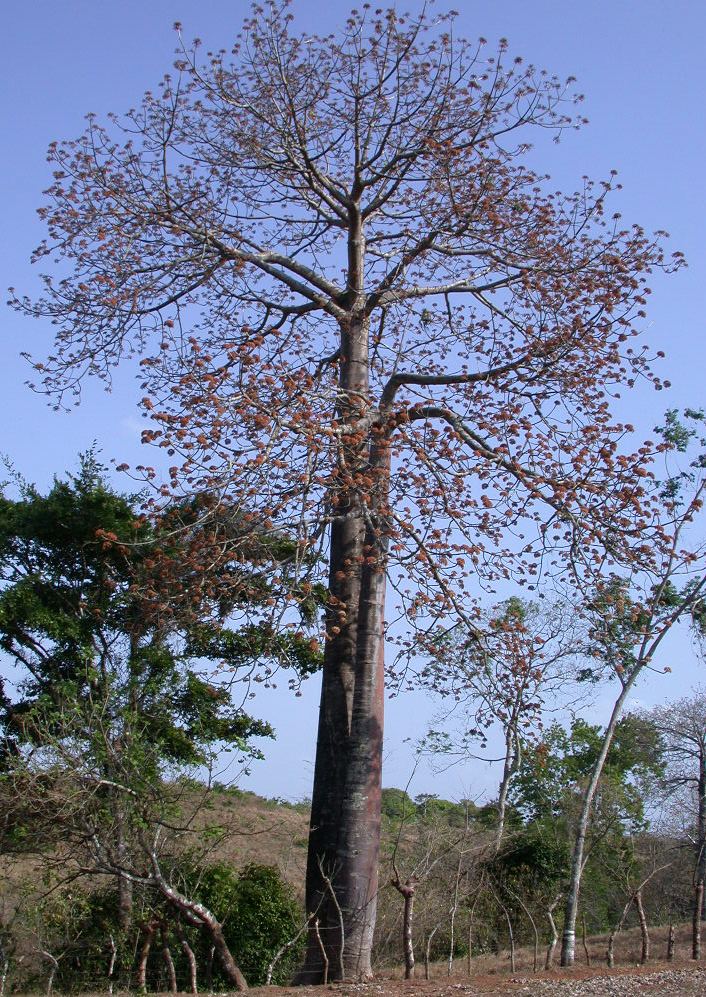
{"x":655,"y":980}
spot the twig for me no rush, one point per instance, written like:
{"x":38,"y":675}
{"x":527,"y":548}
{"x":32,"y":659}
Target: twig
{"x":317,"y":934}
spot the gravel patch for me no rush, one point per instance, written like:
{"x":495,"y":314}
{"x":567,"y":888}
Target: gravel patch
{"x":670,"y":983}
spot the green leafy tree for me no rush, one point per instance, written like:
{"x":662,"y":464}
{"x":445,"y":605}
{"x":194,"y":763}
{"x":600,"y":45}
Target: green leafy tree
{"x":553,"y":772}
{"x":548,"y":795}
{"x":113,"y":627}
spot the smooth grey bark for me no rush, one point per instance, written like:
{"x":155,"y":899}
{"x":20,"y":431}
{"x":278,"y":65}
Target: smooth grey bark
{"x":510,"y":767}
{"x":427,"y":950}
{"x":53,"y":967}
{"x":555,"y":934}
{"x":568,"y":941}
{"x":407,"y":890}
{"x":644,"y":933}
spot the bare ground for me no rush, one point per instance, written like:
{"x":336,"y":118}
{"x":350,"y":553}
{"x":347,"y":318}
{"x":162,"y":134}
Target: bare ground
{"x":656,"y":980}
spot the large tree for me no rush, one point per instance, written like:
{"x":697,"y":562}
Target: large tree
{"x":363,"y":313}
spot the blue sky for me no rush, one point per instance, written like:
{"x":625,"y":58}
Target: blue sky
{"x":639,"y":63}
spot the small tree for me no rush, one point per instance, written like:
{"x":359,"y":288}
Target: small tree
{"x":628,"y":634}
{"x":629,"y":615}
{"x":682,"y":726}
{"x":508,"y":677}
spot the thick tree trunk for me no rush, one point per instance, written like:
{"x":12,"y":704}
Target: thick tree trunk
{"x":344,"y":837}
{"x":345,"y":813}
{"x":670,"y":943}
{"x":568,"y":940}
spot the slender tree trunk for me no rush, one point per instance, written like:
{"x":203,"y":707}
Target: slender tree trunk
{"x":644,"y":933}
{"x":230,"y":967}
{"x":670,"y":943}
{"x":700,"y":866}
{"x":344,"y":838}
{"x":190,"y":957}
{"x":454,"y":911}
{"x":407,"y":936}
{"x":555,"y":935}
{"x":610,"y":957}
{"x":5,"y":952}
{"x":427,"y":950}
{"x":585,"y":940}
{"x":125,"y":888}
{"x":53,"y":967}
{"x":4,"y":967}
{"x":322,"y":947}
{"x":535,"y":956}
{"x":209,"y":969}
{"x":168,"y":961}
{"x":471,"y":915}
{"x":568,"y":941}
{"x":525,"y":908}
{"x":198,"y":915}
{"x":510,"y":767}
{"x":111,"y":963}
{"x":696,"y":921}
{"x":407,"y":890}
{"x":148,"y":931}
{"x":511,"y":936}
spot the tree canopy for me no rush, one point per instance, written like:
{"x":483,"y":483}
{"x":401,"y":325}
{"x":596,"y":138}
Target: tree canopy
{"x":367,"y":322}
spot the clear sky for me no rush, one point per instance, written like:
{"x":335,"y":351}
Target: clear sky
{"x":640,"y":65}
